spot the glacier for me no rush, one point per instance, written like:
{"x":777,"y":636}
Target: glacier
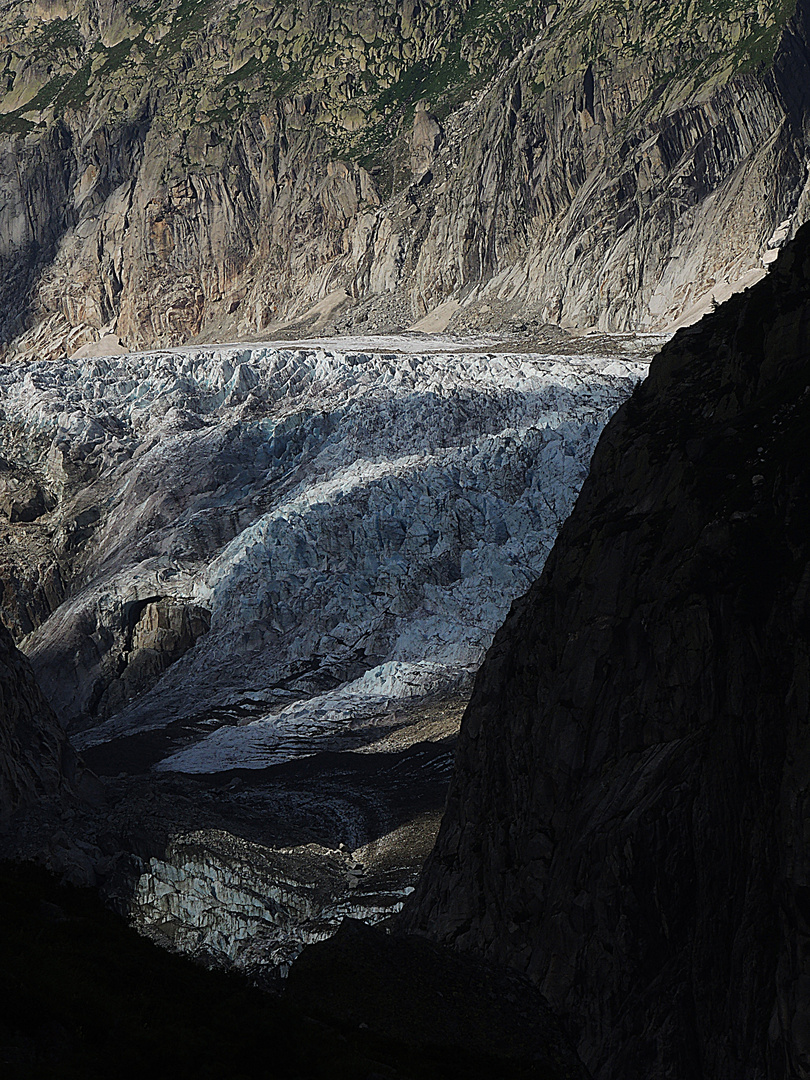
{"x":279,"y":553}
{"x":350,"y":519}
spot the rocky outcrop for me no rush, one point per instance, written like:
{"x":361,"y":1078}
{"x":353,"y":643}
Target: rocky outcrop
{"x":155,"y":632}
{"x":217,"y":172}
{"x":425,"y":141}
{"x":36,"y":761}
{"x":627,"y":821}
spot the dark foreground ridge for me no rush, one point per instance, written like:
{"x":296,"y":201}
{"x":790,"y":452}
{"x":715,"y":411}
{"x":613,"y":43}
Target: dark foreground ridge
{"x":627,"y":824}
{"x":472,"y":1018}
{"x":85,"y":997}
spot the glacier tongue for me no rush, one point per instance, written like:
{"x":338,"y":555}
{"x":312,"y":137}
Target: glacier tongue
{"x":260,"y":579}
{"x":357,"y":523}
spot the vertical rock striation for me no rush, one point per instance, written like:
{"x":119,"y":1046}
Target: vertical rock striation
{"x":219,"y":171}
{"x":628,"y":819}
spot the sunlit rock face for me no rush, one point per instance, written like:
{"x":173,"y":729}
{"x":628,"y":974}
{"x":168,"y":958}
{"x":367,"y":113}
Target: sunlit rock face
{"x":214,"y":171}
{"x":236,"y":530}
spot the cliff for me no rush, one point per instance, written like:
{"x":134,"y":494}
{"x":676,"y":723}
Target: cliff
{"x":627,"y":822}
{"x":35,"y":758}
{"x":214,"y":171}
{"x":49,"y":800}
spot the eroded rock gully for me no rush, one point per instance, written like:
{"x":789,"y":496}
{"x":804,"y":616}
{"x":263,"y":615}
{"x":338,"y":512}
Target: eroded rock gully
{"x":627,"y":822}
{"x":215,"y":172}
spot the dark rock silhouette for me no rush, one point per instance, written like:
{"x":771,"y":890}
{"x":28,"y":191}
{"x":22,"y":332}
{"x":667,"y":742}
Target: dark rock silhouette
{"x":627,"y":824}
{"x":36,"y":761}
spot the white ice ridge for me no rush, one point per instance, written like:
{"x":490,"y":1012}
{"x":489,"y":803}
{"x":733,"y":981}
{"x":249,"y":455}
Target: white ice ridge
{"x":301,"y":729}
{"x":338,"y":512}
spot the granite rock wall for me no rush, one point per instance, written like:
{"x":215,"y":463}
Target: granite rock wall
{"x":627,"y":822}
{"x":220,"y":172}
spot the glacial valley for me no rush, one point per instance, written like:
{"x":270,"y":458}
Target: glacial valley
{"x":254,"y":582}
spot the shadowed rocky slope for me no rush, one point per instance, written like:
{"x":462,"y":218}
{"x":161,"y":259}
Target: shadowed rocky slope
{"x":628,"y":818}
{"x":213,"y":170}
{"x":34,"y":752}
{"x":47,"y":796}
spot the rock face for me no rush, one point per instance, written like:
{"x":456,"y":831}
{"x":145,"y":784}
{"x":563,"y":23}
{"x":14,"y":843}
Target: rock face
{"x":628,"y":819}
{"x":216,"y":171}
{"x":36,"y":761}
{"x":425,"y":141}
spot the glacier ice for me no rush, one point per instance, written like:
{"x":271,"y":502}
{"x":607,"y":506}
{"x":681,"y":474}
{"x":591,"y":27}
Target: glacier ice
{"x":356,"y":521}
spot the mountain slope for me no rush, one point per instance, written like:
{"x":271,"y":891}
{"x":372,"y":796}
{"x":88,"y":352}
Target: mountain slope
{"x":220,"y":170}
{"x":215,"y":534}
{"x":627,"y":821}
{"x":35,"y":756}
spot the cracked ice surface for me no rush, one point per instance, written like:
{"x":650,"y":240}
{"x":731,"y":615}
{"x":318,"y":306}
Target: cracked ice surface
{"x":357,"y":523}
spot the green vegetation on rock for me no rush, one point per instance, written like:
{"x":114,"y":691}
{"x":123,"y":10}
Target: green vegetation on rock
{"x":225,"y":166}
{"x":365,"y":67}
